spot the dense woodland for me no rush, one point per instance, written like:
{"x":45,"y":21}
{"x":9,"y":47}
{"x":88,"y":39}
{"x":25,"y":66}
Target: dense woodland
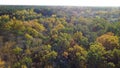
{"x":59,"y":37}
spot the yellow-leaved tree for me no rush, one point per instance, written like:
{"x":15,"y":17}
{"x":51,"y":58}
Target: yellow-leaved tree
{"x":109,"y":41}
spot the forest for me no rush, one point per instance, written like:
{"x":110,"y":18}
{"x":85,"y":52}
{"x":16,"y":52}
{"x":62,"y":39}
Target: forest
{"x":59,"y":37}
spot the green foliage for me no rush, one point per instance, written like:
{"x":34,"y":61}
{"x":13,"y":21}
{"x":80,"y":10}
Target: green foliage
{"x":17,"y":65}
{"x":51,"y":55}
{"x":17,"y":50}
{"x":4,"y":19}
{"x":96,"y":57}
{"x":26,"y":60}
{"x":80,"y":39}
{"x":78,"y":56}
{"x":111,"y":65}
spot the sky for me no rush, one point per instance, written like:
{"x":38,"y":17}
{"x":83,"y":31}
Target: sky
{"x":113,"y":3}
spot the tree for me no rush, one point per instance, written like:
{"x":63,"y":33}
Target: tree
{"x":45,"y":56}
{"x":32,"y":31}
{"x":109,"y":41}
{"x":112,"y":58}
{"x":28,"y":37}
{"x":17,"y":50}
{"x":4,"y":19}
{"x":34,"y":24}
{"x":26,"y":61}
{"x":58,"y":27}
{"x":80,"y":39}
{"x":15,"y":26}
{"x":95,"y":56}
{"x":116,"y":57}
{"x":77,"y":56}
{"x":17,"y":65}
{"x":62,"y":42}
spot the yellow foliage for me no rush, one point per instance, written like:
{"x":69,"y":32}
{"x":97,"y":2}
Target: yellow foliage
{"x":27,"y":51}
{"x":109,"y":41}
{"x":110,"y":33}
{"x":25,"y":12}
{"x":54,"y":36}
{"x":58,"y":27}
{"x":33,"y":24}
{"x":27,"y":36}
{"x":32,"y":31}
{"x":65,"y":54}
{"x":39,"y":26}
{"x":4,"y":17}
{"x":14,"y":25}
{"x":76,"y":49}
{"x":1,"y":63}
{"x":77,"y":35}
{"x":23,"y":66}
